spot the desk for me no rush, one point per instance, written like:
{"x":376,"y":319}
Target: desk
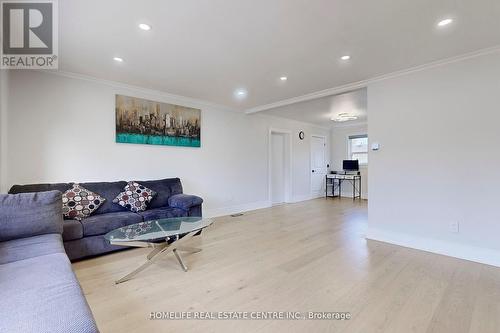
{"x":334,"y":181}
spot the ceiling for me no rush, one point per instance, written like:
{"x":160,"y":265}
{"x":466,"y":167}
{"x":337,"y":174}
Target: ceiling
{"x":208,"y":49}
{"x":319,"y":111}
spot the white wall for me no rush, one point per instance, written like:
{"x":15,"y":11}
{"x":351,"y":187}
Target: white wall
{"x":439,"y":157}
{"x":340,"y":152}
{"x":4,"y":81}
{"x":278,"y":165}
{"x":62,"y":129}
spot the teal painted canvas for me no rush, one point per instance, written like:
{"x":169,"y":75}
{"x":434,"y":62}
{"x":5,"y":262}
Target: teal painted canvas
{"x":142,"y":121}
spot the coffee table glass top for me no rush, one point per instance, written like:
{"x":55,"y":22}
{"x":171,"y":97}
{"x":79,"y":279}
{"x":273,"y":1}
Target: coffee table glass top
{"x":157,"y":229}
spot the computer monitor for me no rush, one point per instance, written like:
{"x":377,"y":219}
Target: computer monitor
{"x":350,"y":165}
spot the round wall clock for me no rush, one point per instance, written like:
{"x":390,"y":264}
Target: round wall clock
{"x":301,"y":135}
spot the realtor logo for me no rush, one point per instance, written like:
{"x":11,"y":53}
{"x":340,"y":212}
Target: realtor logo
{"x":29,"y":34}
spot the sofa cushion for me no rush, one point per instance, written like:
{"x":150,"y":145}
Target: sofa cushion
{"x":164,"y":188}
{"x":104,"y":223}
{"x":108,"y":190}
{"x":135,"y":197}
{"x":72,"y":229}
{"x":42,"y":294}
{"x":29,"y":188}
{"x":30,"y":214}
{"x":90,"y":246}
{"x":184,"y":201}
{"x":162,"y":213}
{"x":79,"y":202}
{"x":30,"y":247}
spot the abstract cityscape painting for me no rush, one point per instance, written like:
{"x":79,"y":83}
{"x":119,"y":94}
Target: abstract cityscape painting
{"x":146,"y":122}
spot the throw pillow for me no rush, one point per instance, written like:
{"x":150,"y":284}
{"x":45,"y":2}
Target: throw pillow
{"x":135,"y":197}
{"x":79,"y":203}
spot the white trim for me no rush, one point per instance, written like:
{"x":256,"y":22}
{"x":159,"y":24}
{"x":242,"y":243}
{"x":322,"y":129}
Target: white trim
{"x":349,"y":124}
{"x":4,"y":83}
{"x":349,"y":148}
{"x":349,"y":195}
{"x":320,"y":194}
{"x":242,"y":208}
{"x":302,"y":197}
{"x":288,"y":176}
{"x":461,"y":251}
{"x":193,"y":102}
{"x":364,"y":83}
{"x":187,"y":101}
{"x":223,"y":211}
{"x":299,"y":122}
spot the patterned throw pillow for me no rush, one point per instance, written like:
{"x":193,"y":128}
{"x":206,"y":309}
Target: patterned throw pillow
{"x":79,"y":203}
{"x":135,"y":197}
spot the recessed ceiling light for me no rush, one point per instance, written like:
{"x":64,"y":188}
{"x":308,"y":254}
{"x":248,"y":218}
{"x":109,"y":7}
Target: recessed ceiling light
{"x":240,"y":93}
{"x":283,"y":78}
{"x":445,"y":22}
{"x":118,"y":59}
{"x":144,"y":26}
{"x":346,"y":57}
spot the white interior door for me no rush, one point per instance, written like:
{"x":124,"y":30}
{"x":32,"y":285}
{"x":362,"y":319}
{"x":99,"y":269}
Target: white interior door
{"x":277,"y":168}
{"x":318,"y":165}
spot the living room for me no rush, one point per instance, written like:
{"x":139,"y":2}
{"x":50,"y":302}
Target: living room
{"x":141,"y":189}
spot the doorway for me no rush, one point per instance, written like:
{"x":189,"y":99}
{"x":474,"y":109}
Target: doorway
{"x":318,"y":165}
{"x":279,"y":166}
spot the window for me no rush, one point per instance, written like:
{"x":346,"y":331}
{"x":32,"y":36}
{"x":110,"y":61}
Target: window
{"x":358,"y":148}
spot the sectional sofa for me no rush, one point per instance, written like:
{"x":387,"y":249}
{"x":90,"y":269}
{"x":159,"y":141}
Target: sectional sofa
{"x":38,"y":290}
{"x":86,"y":238}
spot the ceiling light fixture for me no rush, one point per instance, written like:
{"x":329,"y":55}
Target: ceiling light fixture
{"x":445,"y":22}
{"x":346,"y":57}
{"x":240,"y":93}
{"x":145,"y":26}
{"x":283,"y":78}
{"x":341,"y":117}
{"x":118,"y":59}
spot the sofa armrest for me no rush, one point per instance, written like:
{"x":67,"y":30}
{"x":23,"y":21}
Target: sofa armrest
{"x":30,"y":214}
{"x":184,"y":201}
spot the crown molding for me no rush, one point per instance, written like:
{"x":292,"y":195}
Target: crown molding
{"x":301,"y":122}
{"x":188,"y":101}
{"x":364,"y":83}
{"x":354,"y":124}
{"x":198,"y":103}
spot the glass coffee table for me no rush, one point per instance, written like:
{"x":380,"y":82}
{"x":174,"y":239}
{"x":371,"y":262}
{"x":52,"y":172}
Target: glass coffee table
{"x":164,"y":236}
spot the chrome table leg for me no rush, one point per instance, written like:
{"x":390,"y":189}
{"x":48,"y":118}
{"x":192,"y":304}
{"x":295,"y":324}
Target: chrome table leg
{"x":179,"y":259}
{"x":158,"y":252}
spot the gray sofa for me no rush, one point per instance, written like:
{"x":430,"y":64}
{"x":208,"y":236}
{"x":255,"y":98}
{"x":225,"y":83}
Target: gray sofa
{"x":86,"y":238}
{"x":38,"y":290}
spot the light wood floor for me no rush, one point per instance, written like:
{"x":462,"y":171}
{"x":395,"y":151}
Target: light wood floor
{"x":309,"y":256}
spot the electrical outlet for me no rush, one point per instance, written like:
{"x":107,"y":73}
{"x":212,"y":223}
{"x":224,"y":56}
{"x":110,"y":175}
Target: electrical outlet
{"x":455,"y":227}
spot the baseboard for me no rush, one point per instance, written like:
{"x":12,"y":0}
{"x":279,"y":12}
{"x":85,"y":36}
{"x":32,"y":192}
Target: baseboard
{"x":303,"y":197}
{"x":317,"y":195}
{"x":299,"y":198}
{"x":223,"y":211}
{"x":466,"y":252}
{"x":349,"y":195}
